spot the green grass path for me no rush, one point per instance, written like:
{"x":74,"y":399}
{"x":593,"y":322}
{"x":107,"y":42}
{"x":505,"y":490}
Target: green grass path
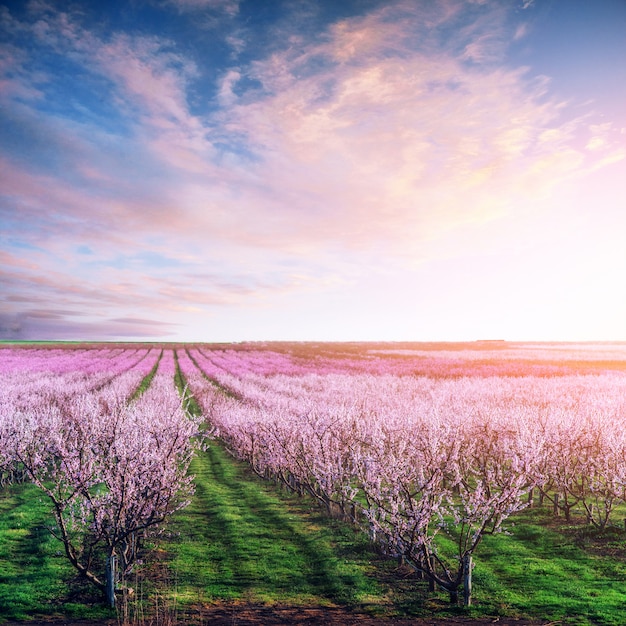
{"x":29,"y":567}
{"x":241,"y":539}
{"x":550,"y":573}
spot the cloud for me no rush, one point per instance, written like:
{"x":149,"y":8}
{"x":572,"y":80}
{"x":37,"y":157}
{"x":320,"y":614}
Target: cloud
{"x":230,"y":7}
{"x":55,"y":326}
{"x":373,"y":131}
{"x":143,"y":79}
{"x":600,"y":136}
{"x":350,"y":138}
{"x":226,"y":96}
{"x":372,"y":142}
{"x":521,"y":31}
{"x":371,"y":145}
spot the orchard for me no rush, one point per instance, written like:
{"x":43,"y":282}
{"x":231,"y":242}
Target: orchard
{"x":424,"y":450}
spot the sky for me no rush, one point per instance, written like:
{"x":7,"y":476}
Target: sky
{"x":236,"y":170}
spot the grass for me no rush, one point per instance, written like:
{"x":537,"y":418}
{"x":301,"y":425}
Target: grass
{"x":147,"y":379}
{"x":35,"y":576}
{"x":242,"y":540}
{"x":189,"y":402}
{"x":544,"y":568}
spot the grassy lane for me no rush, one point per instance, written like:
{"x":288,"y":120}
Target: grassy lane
{"x":241,"y":540}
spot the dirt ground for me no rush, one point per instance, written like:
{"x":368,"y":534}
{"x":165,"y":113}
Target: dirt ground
{"x":274,"y":616}
{"x":260,"y":615}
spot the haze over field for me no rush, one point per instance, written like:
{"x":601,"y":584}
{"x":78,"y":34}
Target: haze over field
{"x":219,"y":170}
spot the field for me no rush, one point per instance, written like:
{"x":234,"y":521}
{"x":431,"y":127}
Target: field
{"x":313,"y":483}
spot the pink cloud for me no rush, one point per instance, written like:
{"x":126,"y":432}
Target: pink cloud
{"x":150,"y":80}
{"x":149,"y":75}
{"x":399,"y":141}
{"x":63,"y":325}
{"x":8,"y":259}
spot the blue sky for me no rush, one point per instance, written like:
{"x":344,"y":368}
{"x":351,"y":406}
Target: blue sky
{"x":216,"y":170}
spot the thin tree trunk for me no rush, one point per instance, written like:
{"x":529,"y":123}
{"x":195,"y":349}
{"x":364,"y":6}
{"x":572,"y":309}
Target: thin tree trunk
{"x":431,"y":568}
{"x":110,"y":580}
{"x":467,"y":580}
{"x":556,"y":504}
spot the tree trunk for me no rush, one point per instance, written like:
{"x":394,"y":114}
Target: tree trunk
{"x":467,"y":580}
{"x":567,"y":508}
{"x":110,"y":580}
{"x":431,"y":568}
{"x":556,"y":505}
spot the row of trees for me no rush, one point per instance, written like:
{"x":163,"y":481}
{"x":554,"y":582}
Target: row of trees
{"x":410,"y":458}
{"x":113,"y":469}
{"x":510,"y":360}
{"x":71,"y":362}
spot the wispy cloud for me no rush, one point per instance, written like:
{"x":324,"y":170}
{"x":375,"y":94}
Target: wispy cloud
{"x":230,"y":7}
{"x":366,"y":123}
{"x":50,"y":325}
{"x":373,"y":137}
{"x":521,"y":31}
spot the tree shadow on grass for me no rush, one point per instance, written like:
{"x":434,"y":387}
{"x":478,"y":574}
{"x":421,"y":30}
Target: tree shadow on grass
{"x":35,"y":576}
{"x":32,"y":567}
{"x":238,"y":540}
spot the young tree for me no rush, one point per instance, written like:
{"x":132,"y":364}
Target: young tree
{"x":436,"y":476}
{"x":113,"y":473}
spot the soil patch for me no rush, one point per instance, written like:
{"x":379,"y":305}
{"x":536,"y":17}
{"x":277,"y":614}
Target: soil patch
{"x":241,"y":614}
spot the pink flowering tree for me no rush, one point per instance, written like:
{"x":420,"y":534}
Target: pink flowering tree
{"x":113,"y":473}
{"x":438,"y":477}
